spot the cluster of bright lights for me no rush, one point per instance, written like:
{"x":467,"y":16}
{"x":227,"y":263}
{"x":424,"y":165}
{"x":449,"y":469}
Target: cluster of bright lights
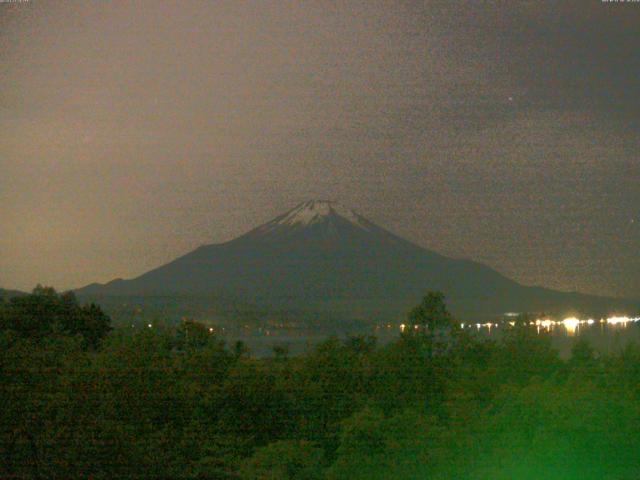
{"x":404,"y":327}
{"x":622,"y":320}
{"x":488,"y":325}
{"x":571,"y":324}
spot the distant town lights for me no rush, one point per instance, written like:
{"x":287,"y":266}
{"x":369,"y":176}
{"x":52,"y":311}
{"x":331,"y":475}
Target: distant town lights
{"x":619,"y":320}
{"x":571,"y":324}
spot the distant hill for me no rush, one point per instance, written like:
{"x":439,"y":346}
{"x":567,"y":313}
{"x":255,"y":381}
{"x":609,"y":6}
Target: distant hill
{"x":323,"y":257}
{"x":7,"y":294}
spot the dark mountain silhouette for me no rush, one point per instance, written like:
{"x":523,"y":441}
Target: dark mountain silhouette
{"x":7,"y":294}
{"x":322,"y":257}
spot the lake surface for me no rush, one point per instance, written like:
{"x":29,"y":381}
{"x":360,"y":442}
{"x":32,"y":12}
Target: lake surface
{"x":605,"y":337}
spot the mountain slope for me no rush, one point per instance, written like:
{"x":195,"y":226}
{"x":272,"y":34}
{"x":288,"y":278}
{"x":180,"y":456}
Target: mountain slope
{"x":8,"y":294}
{"x":321,"y":256}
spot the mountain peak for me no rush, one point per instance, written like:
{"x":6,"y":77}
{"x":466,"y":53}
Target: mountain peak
{"x":314,"y":211}
{"x":321,"y":257}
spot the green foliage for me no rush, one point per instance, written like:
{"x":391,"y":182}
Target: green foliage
{"x":430,"y":314}
{"x":524,"y":354}
{"x":45,"y":312}
{"x":558,"y":431}
{"x":192,"y":335}
{"x":373,"y":446}
{"x":291,"y":459}
{"x":180,"y":403}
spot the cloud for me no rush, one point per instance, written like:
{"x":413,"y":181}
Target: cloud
{"x":164,"y":126}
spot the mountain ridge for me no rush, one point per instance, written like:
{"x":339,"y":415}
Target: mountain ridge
{"x":320,"y":255}
{"x":6,"y":293}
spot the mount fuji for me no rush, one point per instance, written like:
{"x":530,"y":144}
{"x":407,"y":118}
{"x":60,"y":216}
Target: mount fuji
{"x":323,"y":257}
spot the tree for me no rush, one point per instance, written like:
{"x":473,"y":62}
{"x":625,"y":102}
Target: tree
{"x":555,"y":431}
{"x":373,"y":446}
{"x":93,"y":324}
{"x":286,"y":459}
{"x":430,"y":314}
{"x":192,"y":335}
{"x":45,"y":312}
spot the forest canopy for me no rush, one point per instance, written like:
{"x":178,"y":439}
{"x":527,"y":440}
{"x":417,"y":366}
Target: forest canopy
{"x":81,"y":401}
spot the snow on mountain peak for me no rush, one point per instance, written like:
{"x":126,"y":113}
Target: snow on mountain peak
{"x":310,"y":213}
{"x":313,"y":211}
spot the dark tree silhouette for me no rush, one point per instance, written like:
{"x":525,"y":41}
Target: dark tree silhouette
{"x":45,"y":312}
{"x":430,"y":314}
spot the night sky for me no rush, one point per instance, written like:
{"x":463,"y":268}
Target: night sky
{"x":504,"y":132}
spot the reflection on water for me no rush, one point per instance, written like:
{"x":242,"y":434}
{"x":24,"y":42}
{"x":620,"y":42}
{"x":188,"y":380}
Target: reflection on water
{"x":571,"y":325}
{"x":607,"y":335}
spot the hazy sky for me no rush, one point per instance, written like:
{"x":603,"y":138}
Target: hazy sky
{"x":505,"y":132}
